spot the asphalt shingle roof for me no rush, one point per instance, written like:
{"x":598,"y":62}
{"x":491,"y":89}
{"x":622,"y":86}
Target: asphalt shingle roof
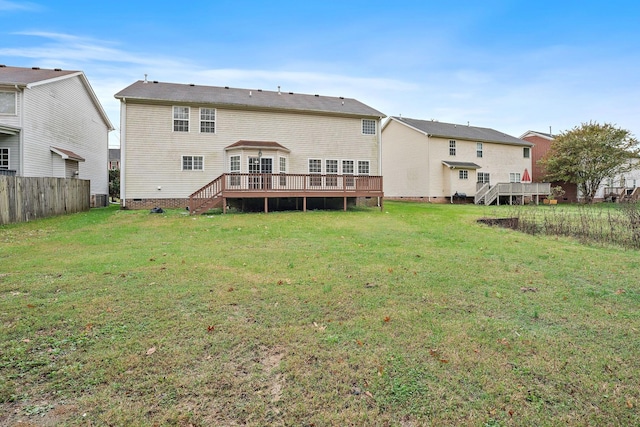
{"x":454,"y":131}
{"x":245,"y":98}
{"x":23,"y":76}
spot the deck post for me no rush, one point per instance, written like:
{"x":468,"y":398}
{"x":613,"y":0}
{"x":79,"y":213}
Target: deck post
{"x":304,"y":203}
{"x":345,"y":203}
{"x":224,"y":205}
{"x":266,"y":205}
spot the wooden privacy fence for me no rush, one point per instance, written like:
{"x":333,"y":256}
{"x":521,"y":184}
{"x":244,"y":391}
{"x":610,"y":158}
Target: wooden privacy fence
{"x":25,"y":199}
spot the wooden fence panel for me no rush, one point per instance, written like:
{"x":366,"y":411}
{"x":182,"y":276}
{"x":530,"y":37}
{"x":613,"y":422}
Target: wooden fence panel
{"x":25,"y":199}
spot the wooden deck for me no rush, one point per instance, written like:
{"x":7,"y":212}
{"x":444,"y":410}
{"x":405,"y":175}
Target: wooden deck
{"x":266,"y":186}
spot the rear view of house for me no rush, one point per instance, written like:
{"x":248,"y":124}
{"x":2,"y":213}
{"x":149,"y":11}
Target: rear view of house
{"x":230,"y":144}
{"x":52,"y":125}
{"x":439,"y":162}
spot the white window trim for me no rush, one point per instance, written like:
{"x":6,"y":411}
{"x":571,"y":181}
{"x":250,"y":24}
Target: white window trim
{"x":463,"y":174}
{"x":357,"y":171}
{"x":8,"y":156}
{"x":182,"y":169}
{"x":526,"y":150}
{"x":454,"y":147}
{"x":280,"y":168}
{"x":479,"y":150}
{"x":214,"y":121}
{"x":326,"y":169}
{"x":15,"y":103}
{"x":173,"y":119}
{"x":375,"y":127}
{"x":239,"y":163}
{"x":515,"y":177}
{"x":309,"y":165}
{"x":341,"y":165}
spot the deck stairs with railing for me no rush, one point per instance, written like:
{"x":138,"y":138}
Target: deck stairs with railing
{"x":487,"y":194}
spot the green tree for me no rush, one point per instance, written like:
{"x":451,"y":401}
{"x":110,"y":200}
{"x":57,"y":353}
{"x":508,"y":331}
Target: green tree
{"x":588,"y":154}
{"x":114,"y":184}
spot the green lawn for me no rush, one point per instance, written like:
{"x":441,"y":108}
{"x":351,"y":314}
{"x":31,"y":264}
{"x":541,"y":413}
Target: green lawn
{"x":412,"y":316}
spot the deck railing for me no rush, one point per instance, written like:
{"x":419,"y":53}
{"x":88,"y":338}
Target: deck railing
{"x":284,"y":185}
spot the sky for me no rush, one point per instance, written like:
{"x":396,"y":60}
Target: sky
{"x":509,"y":65}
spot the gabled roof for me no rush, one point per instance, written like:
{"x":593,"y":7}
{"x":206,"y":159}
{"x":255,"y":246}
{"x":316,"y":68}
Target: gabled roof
{"x":455,"y":131}
{"x":244,"y":98}
{"x":23,"y":77}
{"x":548,"y":136}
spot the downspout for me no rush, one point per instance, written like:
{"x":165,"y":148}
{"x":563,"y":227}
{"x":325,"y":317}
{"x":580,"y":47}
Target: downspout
{"x":21,"y":139}
{"x":428,"y":168}
{"x":380,"y":155}
{"x":123,"y":138}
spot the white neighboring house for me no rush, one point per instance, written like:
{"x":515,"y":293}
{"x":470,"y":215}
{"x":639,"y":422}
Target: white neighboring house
{"x":433,"y":161}
{"x":177,"y":138}
{"x":53,"y":125}
{"x":622,"y":187}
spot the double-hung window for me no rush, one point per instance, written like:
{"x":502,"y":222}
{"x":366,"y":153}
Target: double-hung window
{"x":4,"y":158}
{"x":483,"y":177}
{"x":363,"y":167}
{"x":526,"y":152}
{"x":180,"y":119}
{"x":348,"y":169}
{"x":8,"y":103}
{"x":283,"y":171}
{"x":514,"y":177}
{"x":192,"y":163}
{"x":479,"y":149}
{"x":452,"y":148}
{"x":368,"y":127}
{"x":331,"y":169}
{"x":234,"y":168}
{"x":315,"y":169}
{"x":207,"y":120}
{"x":463,"y":174}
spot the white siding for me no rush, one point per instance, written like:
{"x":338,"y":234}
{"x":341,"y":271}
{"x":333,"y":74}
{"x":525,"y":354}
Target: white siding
{"x":62,"y":114}
{"x":153,"y":151}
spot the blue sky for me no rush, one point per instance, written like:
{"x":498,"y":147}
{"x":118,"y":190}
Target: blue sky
{"x":509,"y":65}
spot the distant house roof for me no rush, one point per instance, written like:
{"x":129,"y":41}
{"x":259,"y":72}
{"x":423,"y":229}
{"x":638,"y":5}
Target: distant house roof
{"x":257,"y":144}
{"x":244,"y":98}
{"x":30,"y":77}
{"x":548,"y":136}
{"x":455,"y":131}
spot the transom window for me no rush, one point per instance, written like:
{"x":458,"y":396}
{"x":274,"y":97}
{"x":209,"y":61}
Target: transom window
{"x":526,"y":152}
{"x":463,"y":174}
{"x":452,"y":148}
{"x":363,"y":167}
{"x":192,"y":163}
{"x":368,"y":127}
{"x":180,"y":119}
{"x":208,"y":120}
{"x":514,"y":177}
{"x":483,"y":177}
{"x":479,"y":149}
{"x":4,"y":158}
{"x":315,"y":166}
{"x":8,"y":103}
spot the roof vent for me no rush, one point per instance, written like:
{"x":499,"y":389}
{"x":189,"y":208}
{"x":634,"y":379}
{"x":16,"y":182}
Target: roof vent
{"x":278,"y":90}
{"x":342,"y":97}
{"x":259,"y":90}
{"x":57,"y":69}
{"x":250,"y":94}
{"x":3,"y":66}
{"x":191,"y":84}
{"x":35,"y":68}
{"x":226,"y":87}
{"x":145,"y":79}
{"x":317,"y":94}
{"x":290,"y":93}
{"x":155,"y":81}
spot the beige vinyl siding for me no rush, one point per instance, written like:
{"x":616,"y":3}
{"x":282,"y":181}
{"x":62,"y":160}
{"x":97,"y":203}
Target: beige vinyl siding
{"x":62,"y":114}
{"x":154,"y":151}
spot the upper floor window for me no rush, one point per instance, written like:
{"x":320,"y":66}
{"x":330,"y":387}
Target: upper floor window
{"x":363,"y":167}
{"x":180,"y":119}
{"x":526,"y":152}
{"x":368,"y":127}
{"x":452,"y":148}
{"x":8,"y":103}
{"x":4,"y":158}
{"x":192,"y":163}
{"x":315,"y":166}
{"x":479,"y":149}
{"x":514,"y":177}
{"x":463,"y":174}
{"x":208,"y":120}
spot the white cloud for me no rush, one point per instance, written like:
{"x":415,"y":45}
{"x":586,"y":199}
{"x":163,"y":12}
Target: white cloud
{"x":19,"y":6}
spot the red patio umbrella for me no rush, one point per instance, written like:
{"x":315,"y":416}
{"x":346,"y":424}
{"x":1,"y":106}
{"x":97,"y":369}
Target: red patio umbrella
{"x":525,"y":176}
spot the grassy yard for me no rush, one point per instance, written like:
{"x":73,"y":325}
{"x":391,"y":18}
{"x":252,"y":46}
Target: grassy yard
{"x":412,"y":316}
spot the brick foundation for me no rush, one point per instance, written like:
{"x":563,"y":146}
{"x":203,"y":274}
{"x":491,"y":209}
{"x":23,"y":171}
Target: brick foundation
{"x":159,"y":203}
